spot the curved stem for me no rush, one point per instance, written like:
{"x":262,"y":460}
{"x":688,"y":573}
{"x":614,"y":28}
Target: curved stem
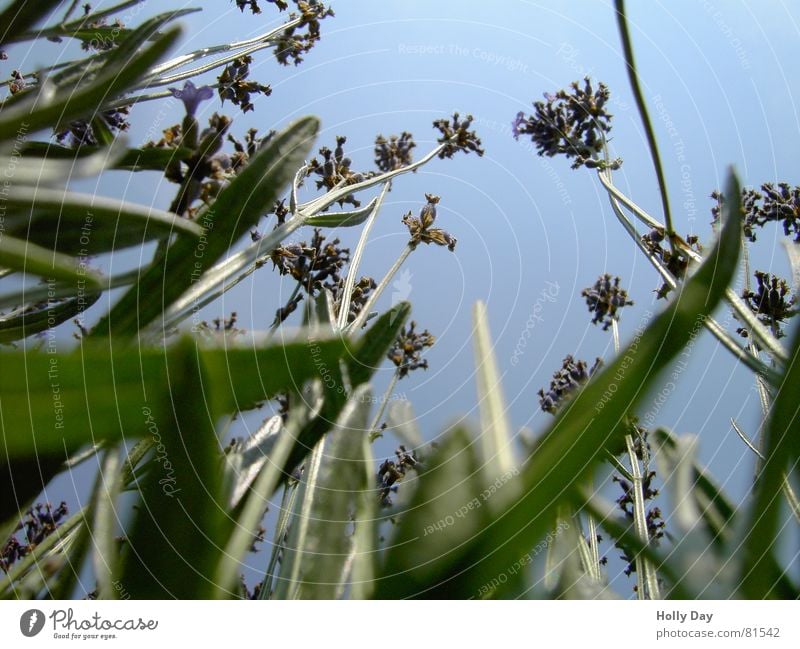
{"x":633,"y":76}
{"x":350,"y":280}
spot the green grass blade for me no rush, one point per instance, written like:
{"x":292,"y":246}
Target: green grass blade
{"x":564,"y":457}
{"x":22,"y":15}
{"x":181,"y":523}
{"x":237,"y":208}
{"x":496,"y":438}
{"x":48,"y":105}
{"x":84,"y":224}
{"x":35,"y":319}
{"x":106,"y":554}
{"x":20,"y":255}
{"x":252,"y":513}
{"x":761,"y":574}
{"x":327,"y":544}
{"x":342,"y":219}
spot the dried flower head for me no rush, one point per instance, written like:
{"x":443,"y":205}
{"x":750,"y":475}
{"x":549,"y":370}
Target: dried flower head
{"x":772,"y":301}
{"x":38,"y":523}
{"x":573,"y":123}
{"x":295,"y":41}
{"x":220,"y":326}
{"x":456,"y":136}
{"x":285,"y":311}
{"x":234,"y":84}
{"x":406,"y":352}
{"x":566,"y":381}
{"x":605,"y":299}
{"x":420,"y":228}
{"x":81,"y":132}
{"x":18,"y":83}
{"x":676,"y":260}
{"x":390,"y":472}
{"x":395,"y":152}
{"x":314,"y":265}
{"x":358,"y":298}
{"x":334,"y":170}
{"x":775,"y":203}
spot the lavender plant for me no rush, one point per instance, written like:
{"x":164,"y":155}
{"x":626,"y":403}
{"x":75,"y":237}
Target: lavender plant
{"x":224,"y":187}
{"x":201,"y":501}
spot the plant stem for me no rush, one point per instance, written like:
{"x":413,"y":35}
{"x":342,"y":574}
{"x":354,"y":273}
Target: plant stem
{"x":742,"y":311}
{"x":648,"y":580}
{"x":236,"y":50}
{"x":386,"y":395}
{"x":633,"y":76}
{"x":361,"y":318}
{"x":287,"y":505}
{"x":350,"y":280}
{"x":712,"y":325}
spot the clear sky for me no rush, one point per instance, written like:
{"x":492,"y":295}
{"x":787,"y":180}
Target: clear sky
{"x":721,"y":82}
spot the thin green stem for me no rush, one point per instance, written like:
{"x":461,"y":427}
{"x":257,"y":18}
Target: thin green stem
{"x":648,"y":580}
{"x":361,"y":318}
{"x":373,"y":427}
{"x":633,"y":76}
{"x":350,"y":280}
{"x":278,"y":541}
{"x":712,"y":325}
{"x":236,"y":50}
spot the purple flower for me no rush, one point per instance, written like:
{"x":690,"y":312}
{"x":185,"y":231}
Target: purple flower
{"x":517,"y":124}
{"x":191,"y":96}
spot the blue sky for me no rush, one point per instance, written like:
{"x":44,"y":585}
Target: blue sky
{"x":721,"y":85}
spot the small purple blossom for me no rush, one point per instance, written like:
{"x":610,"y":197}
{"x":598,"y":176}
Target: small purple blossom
{"x":517,"y":124}
{"x":191,"y":96}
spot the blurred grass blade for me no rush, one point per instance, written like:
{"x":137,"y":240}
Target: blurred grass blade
{"x":84,"y":224}
{"x":89,"y":160}
{"x":45,"y":107}
{"x":446,"y":511}
{"x":181,"y":521}
{"x":577,"y":440}
{"x":237,"y":208}
{"x":365,"y":537}
{"x":761,"y":576}
{"x":321,"y":552}
{"x":99,"y":395}
{"x":37,"y":163}
{"x":32,"y":320}
{"x":496,"y":438}
{"x":22,"y":15}
{"x":402,"y":423}
{"x":702,"y":568}
{"x":252,"y":513}
{"x":291,"y":563}
{"x":714,"y":506}
{"x":105,"y":503}
{"x":245,"y":463}
{"x":20,"y":255}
